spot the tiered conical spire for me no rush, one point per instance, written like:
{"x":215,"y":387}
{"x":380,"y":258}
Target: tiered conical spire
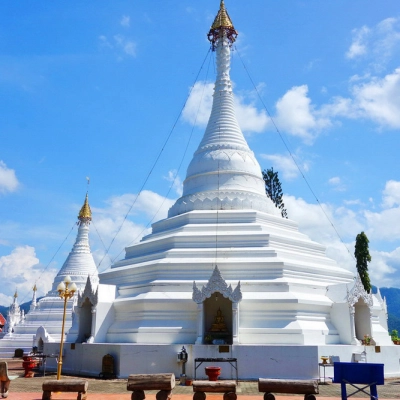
{"x":80,"y":264}
{"x":222,"y":19}
{"x":85,"y":214}
{"x":223,"y":174}
{"x":222,"y":25}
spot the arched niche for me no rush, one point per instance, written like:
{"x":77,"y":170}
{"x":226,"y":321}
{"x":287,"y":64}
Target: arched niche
{"x":218,"y":322}
{"x":360,"y":303}
{"x":86,"y":313}
{"x":85,"y":321}
{"x":362,"y":319}
{"x":217,"y":290}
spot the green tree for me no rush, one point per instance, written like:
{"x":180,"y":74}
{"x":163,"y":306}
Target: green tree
{"x":274,"y":190}
{"x":361,"y":252}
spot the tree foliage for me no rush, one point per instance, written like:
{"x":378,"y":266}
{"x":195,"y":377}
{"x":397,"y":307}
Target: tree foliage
{"x":274,"y":190}
{"x":361,"y":252}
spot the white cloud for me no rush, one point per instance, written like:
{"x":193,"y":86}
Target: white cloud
{"x":358,"y":46}
{"x":5,"y":301}
{"x":104,"y":42}
{"x":377,"y":99}
{"x":21,"y":270}
{"x":126,"y":45}
{"x":285,"y":165}
{"x":355,"y":202}
{"x":372,"y":97}
{"x":337,"y":184}
{"x":198,"y":108}
{"x":250,"y":119}
{"x":125,"y":21}
{"x":388,"y":41}
{"x":313,"y":221}
{"x":334,"y":181}
{"x":391,"y":194}
{"x":297,"y":116}
{"x":384,"y":268}
{"x":177,"y":182}
{"x":377,"y":44}
{"x":381,"y":227}
{"x":120,"y":44}
{"x":8,"y":179}
{"x":111,"y":224}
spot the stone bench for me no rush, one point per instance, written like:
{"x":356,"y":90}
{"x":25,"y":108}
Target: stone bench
{"x":228,"y":388}
{"x":5,"y":379}
{"x":138,"y":383}
{"x":307,"y":387}
{"x":65,"y":385}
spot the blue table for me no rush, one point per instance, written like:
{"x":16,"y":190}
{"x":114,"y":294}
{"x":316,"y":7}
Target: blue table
{"x":354,"y":374}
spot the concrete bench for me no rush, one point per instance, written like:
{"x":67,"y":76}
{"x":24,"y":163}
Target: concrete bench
{"x":138,"y":383}
{"x":65,"y":385}
{"x":307,"y":387}
{"x":228,"y":388}
{"x":5,"y":379}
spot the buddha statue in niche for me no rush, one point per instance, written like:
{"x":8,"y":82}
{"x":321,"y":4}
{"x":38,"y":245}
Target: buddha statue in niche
{"x":219,"y":323}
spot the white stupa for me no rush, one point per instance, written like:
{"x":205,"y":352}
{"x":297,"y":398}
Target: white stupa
{"x":43,"y":322}
{"x":225,"y":273}
{"x":224,"y":220}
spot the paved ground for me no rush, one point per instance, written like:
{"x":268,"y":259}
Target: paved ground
{"x":31,"y":389}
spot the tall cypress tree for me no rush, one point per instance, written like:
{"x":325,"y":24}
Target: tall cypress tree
{"x":274,"y":190}
{"x":361,"y":252}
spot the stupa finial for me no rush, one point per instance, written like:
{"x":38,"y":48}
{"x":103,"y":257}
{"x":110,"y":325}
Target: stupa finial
{"x":85,"y":214}
{"x":221,"y":26}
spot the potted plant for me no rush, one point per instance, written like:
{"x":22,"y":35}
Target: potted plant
{"x":367,"y":340}
{"x":395,"y":336}
{"x":208,"y":339}
{"x":189,"y":381}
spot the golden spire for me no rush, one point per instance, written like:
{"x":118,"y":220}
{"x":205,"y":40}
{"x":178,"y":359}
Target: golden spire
{"x":34,"y":288}
{"x":221,"y":26}
{"x":85,"y":215}
{"x":222,"y":19}
{"x":15,"y":294}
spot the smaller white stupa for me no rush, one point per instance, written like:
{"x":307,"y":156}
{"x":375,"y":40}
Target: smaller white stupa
{"x":42,"y":324}
{"x":14,"y":316}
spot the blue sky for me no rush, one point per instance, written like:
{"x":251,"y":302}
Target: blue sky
{"x":94,"y":89}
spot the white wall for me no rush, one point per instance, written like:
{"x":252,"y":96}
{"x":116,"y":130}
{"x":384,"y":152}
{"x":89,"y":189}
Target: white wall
{"x":296,"y":362}
{"x":340,"y":317}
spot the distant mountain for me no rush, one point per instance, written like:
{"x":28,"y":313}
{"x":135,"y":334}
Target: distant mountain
{"x":3,"y":311}
{"x":392,"y":296}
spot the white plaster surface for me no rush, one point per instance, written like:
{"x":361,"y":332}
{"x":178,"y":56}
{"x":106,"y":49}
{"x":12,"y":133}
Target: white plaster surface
{"x":254,"y":361}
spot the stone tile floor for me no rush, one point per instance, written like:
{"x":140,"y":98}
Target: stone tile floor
{"x":102,"y":389}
